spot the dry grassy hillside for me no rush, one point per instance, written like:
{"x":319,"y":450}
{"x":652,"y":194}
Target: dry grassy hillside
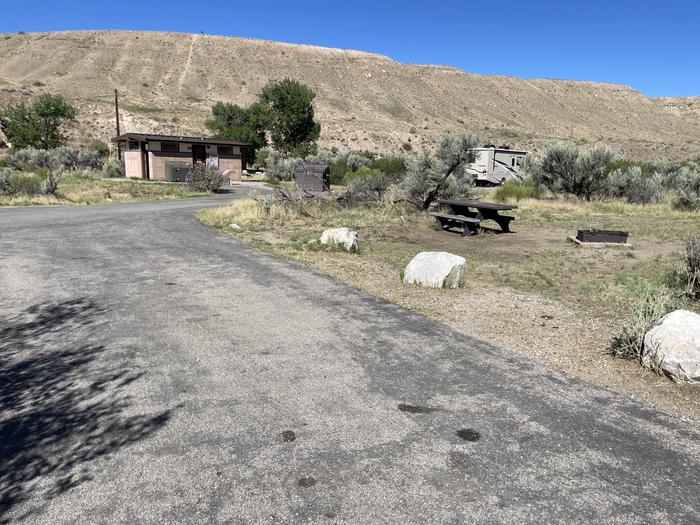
{"x":168,"y":82}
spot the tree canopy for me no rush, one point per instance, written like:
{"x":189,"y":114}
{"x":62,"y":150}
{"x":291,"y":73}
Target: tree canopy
{"x":284,"y":110}
{"x":38,"y":125}
{"x":233,"y":122}
{"x":293,"y":128}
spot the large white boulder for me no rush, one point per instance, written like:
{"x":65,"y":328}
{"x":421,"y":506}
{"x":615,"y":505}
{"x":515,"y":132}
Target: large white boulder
{"x":673,"y":347}
{"x":344,"y":237}
{"x":435,"y":270}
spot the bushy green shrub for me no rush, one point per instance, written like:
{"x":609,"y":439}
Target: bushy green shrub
{"x":632,"y":184}
{"x":362,"y":172}
{"x":688,"y":189}
{"x":280,"y":168}
{"x":113,"y":168}
{"x":24,"y":184}
{"x":646,"y":314}
{"x":98,"y":145}
{"x":344,"y":162}
{"x":63,"y":158}
{"x":28,"y":159}
{"x":518,"y":190}
{"x":49,"y":184}
{"x":565,"y":168}
{"x":365,"y":186}
{"x":202,"y":177}
{"x":390,"y":166}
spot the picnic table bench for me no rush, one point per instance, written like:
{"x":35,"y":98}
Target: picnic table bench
{"x":468,"y":215}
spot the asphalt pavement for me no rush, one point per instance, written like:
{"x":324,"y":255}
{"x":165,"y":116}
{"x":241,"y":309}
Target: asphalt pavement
{"x":153,"y":370}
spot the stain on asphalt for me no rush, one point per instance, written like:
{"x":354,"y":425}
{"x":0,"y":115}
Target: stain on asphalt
{"x":468,"y":434}
{"x":169,"y":284}
{"x":456,"y":459}
{"x":307,"y":482}
{"x":288,"y":436}
{"x":416,"y":409}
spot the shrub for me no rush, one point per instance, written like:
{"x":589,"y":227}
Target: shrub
{"x":565,"y":168}
{"x":98,"y":145}
{"x":407,"y":146}
{"x":5,"y":181}
{"x":518,"y":190}
{"x":692,"y":260}
{"x":261,"y":158}
{"x":63,"y":158}
{"x":28,"y":159}
{"x":49,"y":185}
{"x":688,"y":188}
{"x":345,"y":162}
{"x":280,"y":168}
{"x":390,"y":166}
{"x":113,"y":168}
{"x":24,"y":184}
{"x":202,"y":177}
{"x":632,"y":184}
{"x":361,"y":173}
{"x":366,"y":186}
{"x":646,"y":314}
{"x":427,"y":176}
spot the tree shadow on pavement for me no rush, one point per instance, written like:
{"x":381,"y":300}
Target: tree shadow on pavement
{"x":61,"y":402}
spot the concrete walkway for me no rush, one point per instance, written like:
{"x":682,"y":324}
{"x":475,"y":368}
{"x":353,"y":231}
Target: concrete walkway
{"x":155,"y":371}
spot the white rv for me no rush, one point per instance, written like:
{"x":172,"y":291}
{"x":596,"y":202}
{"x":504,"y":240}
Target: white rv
{"x":496,"y":165}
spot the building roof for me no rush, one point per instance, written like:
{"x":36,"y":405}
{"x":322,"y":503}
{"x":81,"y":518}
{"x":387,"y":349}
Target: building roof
{"x":176,"y":138}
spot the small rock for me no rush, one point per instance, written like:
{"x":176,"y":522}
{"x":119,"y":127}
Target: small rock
{"x":234,"y":226}
{"x":673,"y":347}
{"x":344,"y":237}
{"x":435,"y":270}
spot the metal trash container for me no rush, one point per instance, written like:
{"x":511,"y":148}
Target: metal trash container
{"x":176,"y":171}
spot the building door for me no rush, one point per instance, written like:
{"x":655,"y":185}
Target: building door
{"x":144,"y":160}
{"x":199,"y":153}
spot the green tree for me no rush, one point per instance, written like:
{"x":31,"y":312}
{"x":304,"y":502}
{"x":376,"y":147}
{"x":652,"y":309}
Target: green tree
{"x":292,"y":126}
{"x":39,"y":125}
{"x":247,"y":124}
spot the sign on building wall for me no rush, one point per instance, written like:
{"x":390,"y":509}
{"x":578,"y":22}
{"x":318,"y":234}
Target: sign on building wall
{"x":214,"y":161}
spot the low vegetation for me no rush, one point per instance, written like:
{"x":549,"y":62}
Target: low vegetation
{"x":596,"y":173}
{"x":203,"y":178}
{"x":81,"y":187}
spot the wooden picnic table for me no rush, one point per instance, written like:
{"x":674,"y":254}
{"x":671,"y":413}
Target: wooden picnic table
{"x":468,"y":215}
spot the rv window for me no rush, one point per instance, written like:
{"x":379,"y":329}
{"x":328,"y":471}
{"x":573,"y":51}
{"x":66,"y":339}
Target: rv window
{"x":169,"y":146}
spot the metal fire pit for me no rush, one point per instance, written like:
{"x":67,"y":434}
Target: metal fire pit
{"x":606,"y":236}
{"x":601,"y":239}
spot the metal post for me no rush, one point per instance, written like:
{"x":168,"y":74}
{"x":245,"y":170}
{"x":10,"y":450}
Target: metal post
{"x":116,"y":109}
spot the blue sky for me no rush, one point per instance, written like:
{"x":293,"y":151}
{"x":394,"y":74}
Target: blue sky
{"x":651,"y":46}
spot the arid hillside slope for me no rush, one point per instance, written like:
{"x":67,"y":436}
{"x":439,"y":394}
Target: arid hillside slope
{"x":168,"y":82}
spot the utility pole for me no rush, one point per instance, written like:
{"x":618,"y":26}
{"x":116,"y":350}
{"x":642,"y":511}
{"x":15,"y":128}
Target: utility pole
{"x":116,"y":110}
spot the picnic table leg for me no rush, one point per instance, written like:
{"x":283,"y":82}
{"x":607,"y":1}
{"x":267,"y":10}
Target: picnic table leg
{"x":439,"y":224}
{"x":504,"y":224}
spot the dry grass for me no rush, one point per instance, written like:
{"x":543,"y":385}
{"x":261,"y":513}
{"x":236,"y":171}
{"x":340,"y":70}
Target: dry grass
{"x":86,"y":188}
{"x":530,"y":291}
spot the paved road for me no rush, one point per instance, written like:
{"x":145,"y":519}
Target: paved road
{"x":153,"y":370}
